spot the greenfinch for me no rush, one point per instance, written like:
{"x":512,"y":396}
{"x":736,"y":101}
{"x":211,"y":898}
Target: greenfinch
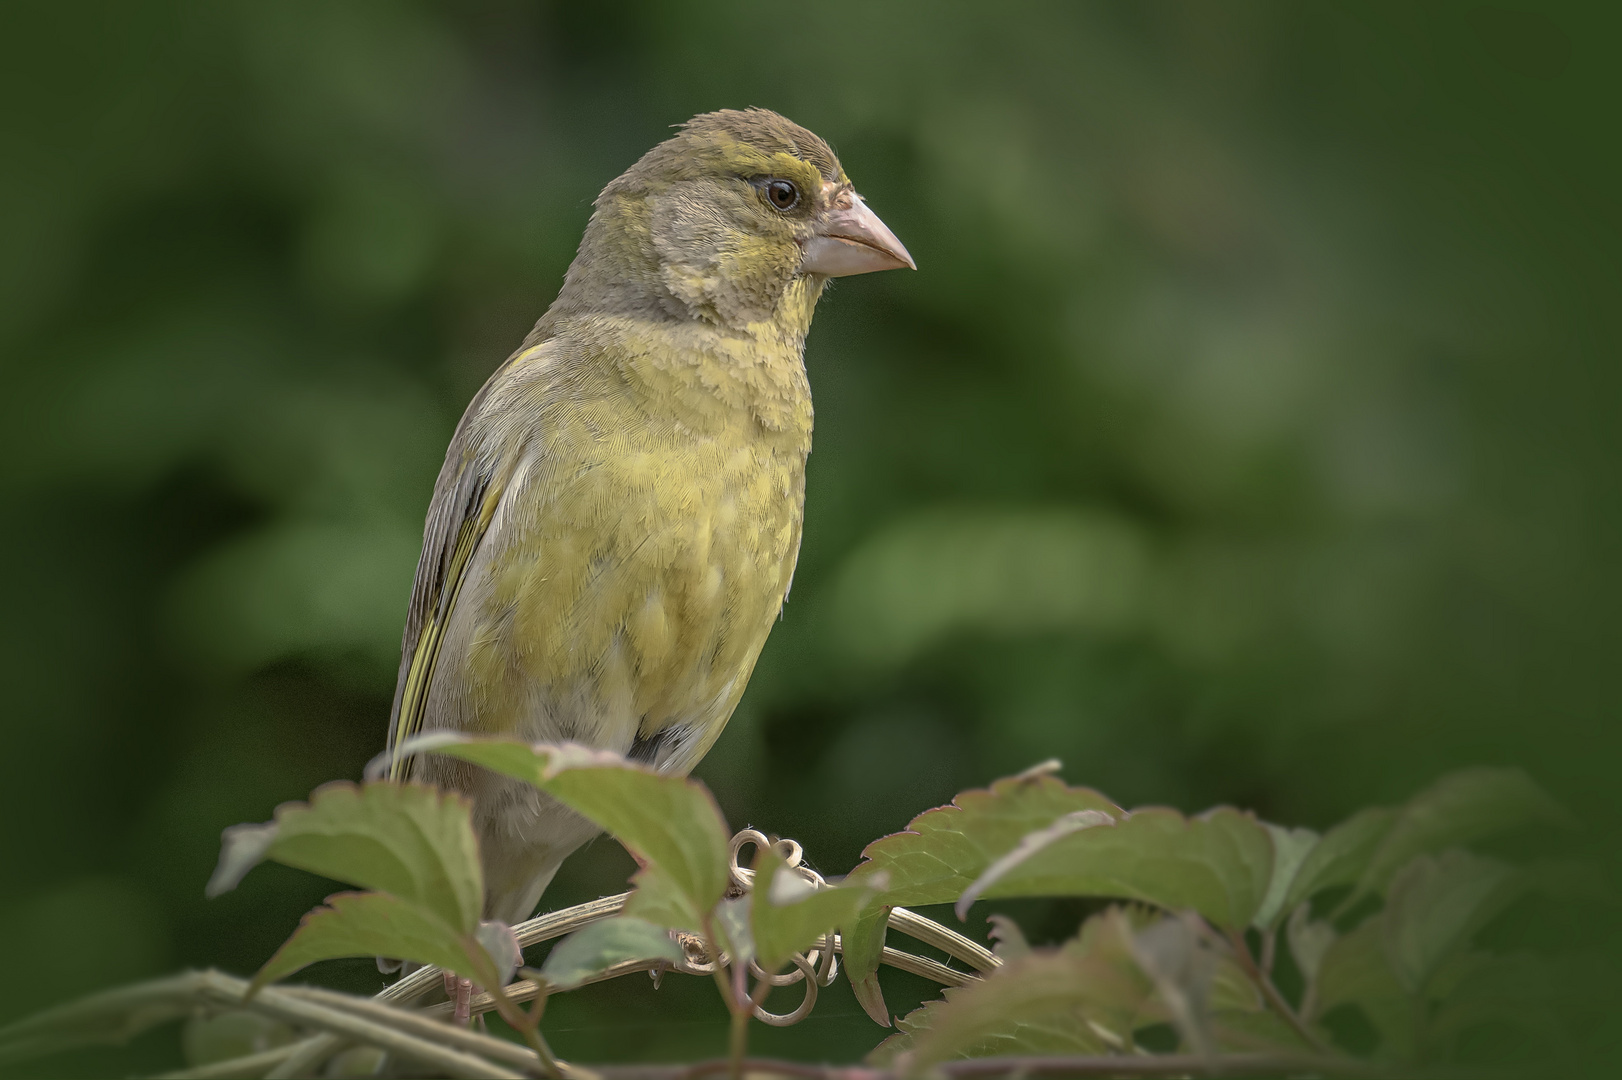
{"x":616,"y":524}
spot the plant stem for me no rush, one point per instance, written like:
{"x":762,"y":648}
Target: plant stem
{"x":727,"y":980}
{"x":422,"y":1025}
{"x":739,"y":1042}
{"x":528,"y":1024}
{"x":1125,"y":1065}
{"x":247,"y":1066}
{"x":1270,"y":994}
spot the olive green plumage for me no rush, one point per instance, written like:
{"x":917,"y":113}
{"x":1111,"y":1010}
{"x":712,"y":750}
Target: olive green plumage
{"x":617,"y":520}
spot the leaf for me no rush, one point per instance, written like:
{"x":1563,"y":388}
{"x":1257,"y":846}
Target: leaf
{"x":1532,"y":993}
{"x":220,"y":1036}
{"x":1238,"y":1017}
{"x":500,"y":944}
{"x":1008,"y":940}
{"x":1355,"y":972}
{"x":1309,"y":940}
{"x":943,"y":851}
{"x":1085,"y":998}
{"x":788,"y":913}
{"x":242,"y":847}
{"x":1290,"y":849}
{"x":1341,"y":856}
{"x":409,"y":840}
{"x":732,"y":925}
{"x":1458,"y":809}
{"x":378,"y":924}
{"x":590,"y":952}
{"x":669,"y":823}
{"x":1181,"y":966}
{"x":861,"y":942}
{"x":1434,"y":906}
{"x":1029,"y":845}
{"x":660,"y":901}
{"x":1255,"y":1031}
{"x":1218,"y":864}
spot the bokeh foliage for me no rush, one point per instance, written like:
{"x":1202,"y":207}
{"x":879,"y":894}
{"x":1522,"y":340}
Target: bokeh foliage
{"x":1247,"y":435}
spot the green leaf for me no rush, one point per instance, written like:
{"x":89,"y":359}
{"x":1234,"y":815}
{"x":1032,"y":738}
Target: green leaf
{"x":669,"y":823}
{"x":1255,"y":1031}
{"x":1458,"y":809}
{"x":1086,"y":998}
{"x":788,"y":913}
{"x":1029,"y":845}
{"x":943,"y":851}
{"x":412,"y":841}
{"x":587,"y":953}
{"x":1341,"y":856}
{"x":1355,"y":971}
{"x":732,"y":926}
{"x":1172,"y":952}
{"x":1309,"y":940}
{"x":1238,"y":1017}
{"x":378,"y":924}
{"x":862,"y":944}
{"x":659,"y":900}
{"x":500,"y":944}
{"x":1219,"y":864}
{"x":1535,"y":994}
{"x":1434,"y":906}
{"x":1290,"y":849}
{"x":1007,"y":939}
{"x":220,"y":1036}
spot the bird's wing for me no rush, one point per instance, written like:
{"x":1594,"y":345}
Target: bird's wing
{"x":464,"y":503}
{"x":478,"y":466}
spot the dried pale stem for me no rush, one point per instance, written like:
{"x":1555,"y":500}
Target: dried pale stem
{"x":943,"y":938}
{"x":554,"y":924}
{"x":251,"y":1065}
{"x":423,"y":1025}
{"x":304,"y":1057}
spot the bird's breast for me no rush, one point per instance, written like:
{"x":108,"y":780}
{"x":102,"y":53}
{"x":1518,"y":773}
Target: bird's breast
{"x":637,"y":569}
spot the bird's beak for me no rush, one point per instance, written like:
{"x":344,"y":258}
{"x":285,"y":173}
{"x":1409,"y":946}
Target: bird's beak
{"x":850,"y":239}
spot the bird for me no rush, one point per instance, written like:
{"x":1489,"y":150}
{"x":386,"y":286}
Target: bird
{"x":615,"y":528}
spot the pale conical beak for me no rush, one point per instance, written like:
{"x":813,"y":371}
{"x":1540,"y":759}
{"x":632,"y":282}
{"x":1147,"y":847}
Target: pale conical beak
{"x":850,"y":239}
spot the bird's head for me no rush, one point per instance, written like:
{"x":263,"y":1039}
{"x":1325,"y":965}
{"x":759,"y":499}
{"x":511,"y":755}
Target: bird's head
{"x":738,"y":220}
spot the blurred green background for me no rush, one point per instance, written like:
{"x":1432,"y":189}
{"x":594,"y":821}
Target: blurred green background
{"x":1249,"y":433}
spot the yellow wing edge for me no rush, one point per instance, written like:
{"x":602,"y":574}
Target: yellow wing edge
{"x":414,"y":697}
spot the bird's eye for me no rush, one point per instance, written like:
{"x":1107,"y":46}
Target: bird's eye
{"x":783,"y":195}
